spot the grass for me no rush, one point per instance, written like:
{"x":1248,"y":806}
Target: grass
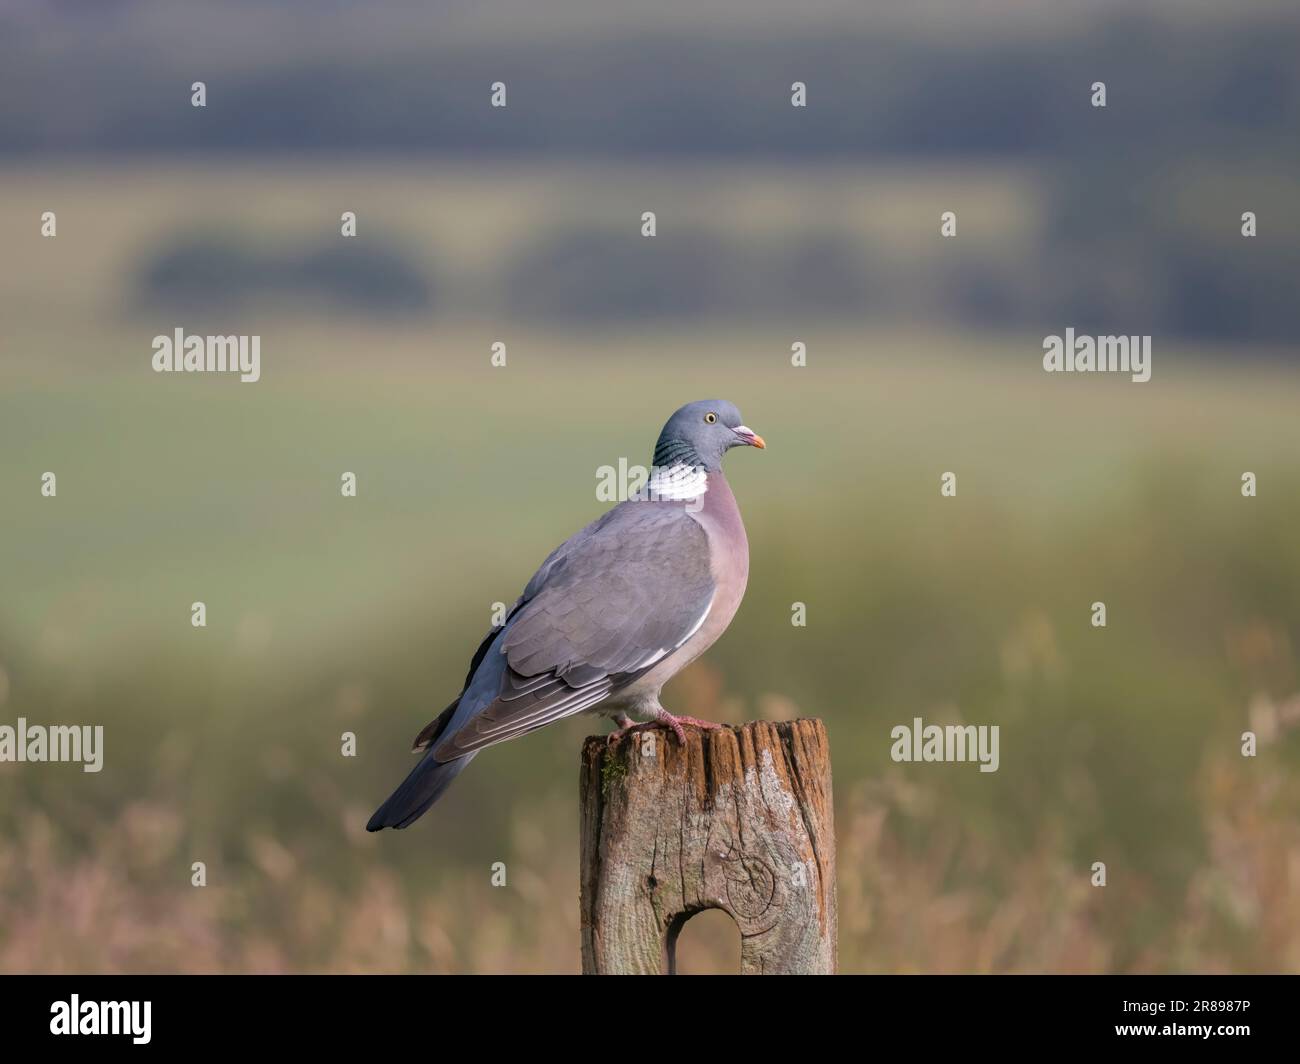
{"x":329,"y":615}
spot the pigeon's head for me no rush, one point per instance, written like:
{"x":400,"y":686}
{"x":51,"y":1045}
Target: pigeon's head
{"x":699,"y":434}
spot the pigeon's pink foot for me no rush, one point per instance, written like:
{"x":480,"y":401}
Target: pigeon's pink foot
{"x":663,"y":719}
{"x":626,"y":725}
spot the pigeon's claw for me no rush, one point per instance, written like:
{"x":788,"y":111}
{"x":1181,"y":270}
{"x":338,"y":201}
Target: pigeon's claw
{"x":626,"y":725}
{"x":662,"y":719}
{"x":667,"y":720}
{"x":627,"y":729}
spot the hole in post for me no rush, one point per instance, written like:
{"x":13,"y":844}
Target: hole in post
{"x":710,"y":945}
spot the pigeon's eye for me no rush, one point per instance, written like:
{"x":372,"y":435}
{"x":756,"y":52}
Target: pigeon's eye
{"x":710,"y":417}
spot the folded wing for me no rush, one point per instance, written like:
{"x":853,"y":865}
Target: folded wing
{"x":604,"y":608}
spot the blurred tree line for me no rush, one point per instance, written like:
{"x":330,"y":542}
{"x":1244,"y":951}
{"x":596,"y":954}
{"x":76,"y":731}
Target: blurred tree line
{"x":1132,"y":242}
{"x":1184,"y":89}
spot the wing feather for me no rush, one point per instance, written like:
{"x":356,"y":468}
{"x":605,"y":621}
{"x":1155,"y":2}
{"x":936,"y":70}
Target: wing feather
{"x":604,"y":608}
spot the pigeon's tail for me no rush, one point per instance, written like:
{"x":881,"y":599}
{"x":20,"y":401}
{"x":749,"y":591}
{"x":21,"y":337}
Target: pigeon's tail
{"x":417,"y":792}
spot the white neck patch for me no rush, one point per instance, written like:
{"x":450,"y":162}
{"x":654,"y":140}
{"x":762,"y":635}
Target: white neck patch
{"x":677,"y":482}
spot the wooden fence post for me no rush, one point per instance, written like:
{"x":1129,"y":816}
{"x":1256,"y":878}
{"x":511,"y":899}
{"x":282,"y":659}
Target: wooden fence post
{"x":738,"y":819}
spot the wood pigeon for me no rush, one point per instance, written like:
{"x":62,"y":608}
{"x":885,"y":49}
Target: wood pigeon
{"x":611,"y":616}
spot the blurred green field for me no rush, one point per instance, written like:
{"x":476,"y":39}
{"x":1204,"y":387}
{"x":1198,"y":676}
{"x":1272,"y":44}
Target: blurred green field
{"x":328,"y":614}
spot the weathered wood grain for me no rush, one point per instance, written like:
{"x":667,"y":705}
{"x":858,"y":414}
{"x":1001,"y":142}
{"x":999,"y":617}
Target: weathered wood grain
{"x":738,"y":819}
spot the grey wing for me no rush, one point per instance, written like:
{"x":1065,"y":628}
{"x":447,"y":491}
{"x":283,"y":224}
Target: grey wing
{"x":604,"y":608}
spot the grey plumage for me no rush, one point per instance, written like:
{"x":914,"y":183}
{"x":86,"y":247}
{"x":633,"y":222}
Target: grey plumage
{"x":611,"y":614}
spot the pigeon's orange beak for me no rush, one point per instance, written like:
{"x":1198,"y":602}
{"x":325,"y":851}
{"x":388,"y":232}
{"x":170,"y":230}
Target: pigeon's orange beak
{"x":752,"y":438}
